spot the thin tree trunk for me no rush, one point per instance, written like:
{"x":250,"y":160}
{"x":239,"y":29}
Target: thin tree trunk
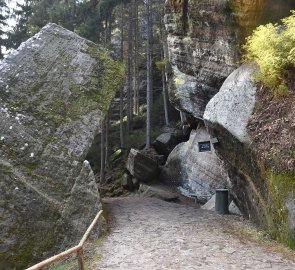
{"x":136,"y":69}
{"x":129,"y":66}
{"x":107,"y":125}
{"x":106,"y":33}
{"x":121,"y":117}
{"x":149,"y":72}
{"x":165,"y":94}
{"x":102,"y":153}
{"x":110,"y":28}
{"x":151,"y":51}
{"x":166,"y":56}
{"x":122,"y":31}
{"x":122,"y":88}
{"x":162,"y":50}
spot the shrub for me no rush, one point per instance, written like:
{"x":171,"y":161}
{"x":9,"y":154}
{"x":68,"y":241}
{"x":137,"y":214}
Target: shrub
{"x":272,"y":47}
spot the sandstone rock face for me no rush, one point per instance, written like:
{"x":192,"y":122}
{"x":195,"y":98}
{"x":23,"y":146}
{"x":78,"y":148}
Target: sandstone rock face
{"x":51,"y":107}
{"x":204,"y":38}
{"x":262,"y":196}
{"x":202,"y":53}
{"x":193,"y":172}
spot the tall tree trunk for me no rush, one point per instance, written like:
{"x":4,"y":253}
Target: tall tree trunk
{"x":164,"y":71}
{"x":164,"y":91}
{"x":121,"y":117}
{"x":107,"y":125}
{"x":122,"y":30}
{"x":164,"y":56}
{"x":149,"y":74}
{"x":129,"y":66}
{"x":136,"y":68}
{"x":106,"y":32}
{"x":110,"y":28}
{"x":121,"y":87}
{"x":102,"y":153}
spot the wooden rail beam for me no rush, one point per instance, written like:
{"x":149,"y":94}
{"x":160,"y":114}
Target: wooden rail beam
{"x":80,"y":255}
{"x":55,"y":258}
{"x":86,"y":235}
{"x":76,"y":249}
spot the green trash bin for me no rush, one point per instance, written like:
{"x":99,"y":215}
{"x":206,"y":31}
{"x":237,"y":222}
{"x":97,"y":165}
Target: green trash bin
{"x":221,"y":201}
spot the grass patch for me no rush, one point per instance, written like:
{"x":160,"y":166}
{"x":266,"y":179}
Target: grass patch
{"x":246,"y":231}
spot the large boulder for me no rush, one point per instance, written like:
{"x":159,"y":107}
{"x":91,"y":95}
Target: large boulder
{"x":158,"y":192}
{"x":232,"y":107}
{"x":142,"y":166}
{"x":194,"y":173}
{"x":167,"y":141}
{"x":54,"y":90}
{"x":264,"y":194}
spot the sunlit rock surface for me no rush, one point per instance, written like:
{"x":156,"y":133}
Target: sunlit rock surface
{"x":51,"y":107}
{"x":194,"y":173}
{"x":263,"y":195}
{"x":233,"y":105}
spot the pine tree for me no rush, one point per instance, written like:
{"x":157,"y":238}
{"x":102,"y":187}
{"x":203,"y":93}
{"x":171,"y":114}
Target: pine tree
{"x":3,"y":23}
{"x":21,"y":31}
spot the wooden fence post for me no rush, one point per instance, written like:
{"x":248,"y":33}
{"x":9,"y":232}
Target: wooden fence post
{"x":80,"y":255}
{"x":76,"y":249}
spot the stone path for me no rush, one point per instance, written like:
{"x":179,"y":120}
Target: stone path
{"x":150,"y":234}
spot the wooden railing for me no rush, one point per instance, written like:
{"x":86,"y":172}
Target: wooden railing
{"x":77,"y":249}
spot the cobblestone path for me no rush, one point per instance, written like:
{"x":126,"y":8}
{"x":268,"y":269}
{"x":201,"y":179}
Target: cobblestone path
{"x":151,"y":234}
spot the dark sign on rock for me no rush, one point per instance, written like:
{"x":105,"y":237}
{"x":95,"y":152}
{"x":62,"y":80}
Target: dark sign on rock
{"x":204,"y":146}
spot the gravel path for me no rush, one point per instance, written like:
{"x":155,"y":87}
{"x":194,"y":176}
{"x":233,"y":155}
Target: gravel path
{"x":150,"y":234}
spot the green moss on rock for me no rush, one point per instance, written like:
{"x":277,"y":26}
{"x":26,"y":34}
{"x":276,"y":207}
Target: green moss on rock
{"x":280,"y":186}
{"x":106,"y":78}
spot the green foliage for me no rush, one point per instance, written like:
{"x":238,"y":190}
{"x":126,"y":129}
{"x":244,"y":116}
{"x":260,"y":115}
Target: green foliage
{"x":21,"y":31}
{"x":86,"y":18}
{"x":161,"y":64}
{"x":3,"y":23}
{"x":113,"y":75}
{"x":272,"y":47}
{"x":280,"y":186}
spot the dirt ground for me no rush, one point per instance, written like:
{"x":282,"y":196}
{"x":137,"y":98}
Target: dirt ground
{"x":147,"y":233}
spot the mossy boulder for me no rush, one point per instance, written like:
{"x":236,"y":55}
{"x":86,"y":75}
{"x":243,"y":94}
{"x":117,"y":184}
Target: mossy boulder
{"x":54,"y":91}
